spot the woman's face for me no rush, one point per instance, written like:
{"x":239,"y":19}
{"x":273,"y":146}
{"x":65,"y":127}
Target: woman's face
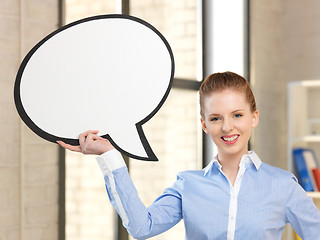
{"x":228,"y":120}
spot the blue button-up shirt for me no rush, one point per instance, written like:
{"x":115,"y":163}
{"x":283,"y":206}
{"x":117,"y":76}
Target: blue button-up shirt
{"x":259,"y":204}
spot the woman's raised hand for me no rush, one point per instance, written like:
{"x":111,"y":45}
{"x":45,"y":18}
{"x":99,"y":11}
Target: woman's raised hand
{"x":90,"y":143}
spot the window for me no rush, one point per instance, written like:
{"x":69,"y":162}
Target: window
{"x":175,"y":131}
{"x":89,"y":215}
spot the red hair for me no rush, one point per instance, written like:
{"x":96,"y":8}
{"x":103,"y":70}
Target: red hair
{"x":226,"y":80}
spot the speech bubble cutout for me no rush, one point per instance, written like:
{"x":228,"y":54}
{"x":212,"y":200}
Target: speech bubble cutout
{"x":110,"y":72}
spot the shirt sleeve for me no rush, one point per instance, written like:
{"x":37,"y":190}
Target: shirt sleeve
{"x":141,"y":222}
{"x":302,"y":214}
{"x":110,"y":161}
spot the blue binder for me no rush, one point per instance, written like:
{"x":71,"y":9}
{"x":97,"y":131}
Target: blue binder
{"x":302,"y":169}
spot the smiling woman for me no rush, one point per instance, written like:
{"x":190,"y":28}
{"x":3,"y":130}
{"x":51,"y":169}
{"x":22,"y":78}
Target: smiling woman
{"x":228,"y":113}
{"x":258,"y":208}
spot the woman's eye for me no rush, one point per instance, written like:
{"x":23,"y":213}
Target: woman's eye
{"x":214,"y":119}
{"x":238,"y":115}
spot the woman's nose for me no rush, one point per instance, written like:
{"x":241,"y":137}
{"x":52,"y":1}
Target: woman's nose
{"x":227,"y":126}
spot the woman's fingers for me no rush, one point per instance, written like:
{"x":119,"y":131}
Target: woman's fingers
{"x":96,"y":137}
{"x":83,"y":136}
{"x":69,"y":147}
{"x":89,"y":131}
{"x":90,"y":143}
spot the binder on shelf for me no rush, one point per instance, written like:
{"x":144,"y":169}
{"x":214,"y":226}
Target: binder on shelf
{"x":297,"y":236}
{"x":305,"y":161}
{"x":316,"y":175}
{"x":312,"y":163}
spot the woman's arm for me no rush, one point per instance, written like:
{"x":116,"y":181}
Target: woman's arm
{"x":302,"y":214}
{"x":141,"y":222}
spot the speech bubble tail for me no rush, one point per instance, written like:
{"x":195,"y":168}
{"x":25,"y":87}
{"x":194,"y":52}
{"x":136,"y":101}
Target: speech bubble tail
{"x":135,"y":145}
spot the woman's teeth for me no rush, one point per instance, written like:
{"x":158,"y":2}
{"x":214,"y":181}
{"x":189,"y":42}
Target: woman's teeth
{"x":230,"y":139}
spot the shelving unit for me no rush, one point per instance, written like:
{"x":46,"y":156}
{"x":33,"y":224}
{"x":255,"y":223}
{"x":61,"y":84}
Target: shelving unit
{"x":303,"y":121}
{"x":314,"y":195}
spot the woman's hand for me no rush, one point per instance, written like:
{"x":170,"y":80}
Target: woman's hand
{"x":90,"y":143}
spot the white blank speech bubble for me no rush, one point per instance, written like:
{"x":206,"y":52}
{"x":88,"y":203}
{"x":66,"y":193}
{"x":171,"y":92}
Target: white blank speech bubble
{"x":111,"y":73}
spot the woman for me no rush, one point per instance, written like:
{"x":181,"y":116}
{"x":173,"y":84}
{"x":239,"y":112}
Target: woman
{"x":235,"y":197}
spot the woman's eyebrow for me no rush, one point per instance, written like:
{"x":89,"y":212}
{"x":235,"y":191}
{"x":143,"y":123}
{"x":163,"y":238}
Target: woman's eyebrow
{"x":213,"y":115}
{"x":217,"y":114}
{"x":238,"y":110}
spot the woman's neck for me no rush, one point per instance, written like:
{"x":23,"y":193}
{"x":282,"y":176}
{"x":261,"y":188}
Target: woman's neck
{"x":230,"y":165}
{"x":230,"y":160}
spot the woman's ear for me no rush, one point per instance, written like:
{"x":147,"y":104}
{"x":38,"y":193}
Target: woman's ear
{"x":255,"y":118}
{"x":203,"y":124}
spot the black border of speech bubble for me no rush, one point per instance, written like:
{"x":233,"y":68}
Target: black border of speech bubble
{"x":27,"y":120}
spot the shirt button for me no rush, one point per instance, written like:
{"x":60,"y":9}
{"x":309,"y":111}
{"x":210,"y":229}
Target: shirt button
{"x":232,"y":218}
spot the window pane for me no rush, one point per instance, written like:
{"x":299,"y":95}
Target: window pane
{"x":77,"y":9}
{"x":89,"y":213}
{"x":173,"y":134}
{"x":177,"y":21}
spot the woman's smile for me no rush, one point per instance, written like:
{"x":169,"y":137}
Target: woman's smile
{"x":230,"y":139}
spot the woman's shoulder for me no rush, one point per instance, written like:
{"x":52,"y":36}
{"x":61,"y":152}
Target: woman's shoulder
{"x":191,"y":177}
{"x":185,"y":179}
{"x":277,"y":173}
{"x":191,"y":174}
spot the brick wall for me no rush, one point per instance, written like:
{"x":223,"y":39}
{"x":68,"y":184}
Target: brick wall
{"x":77,"y":9}
{"x":89,"y":214}
{"x":28,"y":164}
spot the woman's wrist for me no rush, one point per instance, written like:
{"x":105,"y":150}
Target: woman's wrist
{"x":110,"y":161}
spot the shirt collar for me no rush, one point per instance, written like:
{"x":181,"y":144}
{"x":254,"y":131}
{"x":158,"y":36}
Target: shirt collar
{"x":246,"y":158}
